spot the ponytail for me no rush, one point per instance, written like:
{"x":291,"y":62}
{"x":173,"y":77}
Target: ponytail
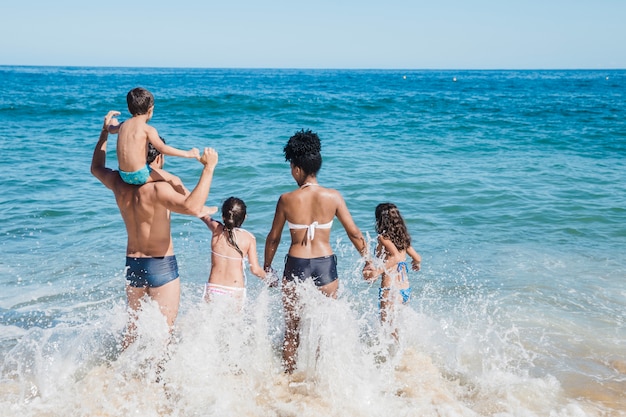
{"x":233,"y":215}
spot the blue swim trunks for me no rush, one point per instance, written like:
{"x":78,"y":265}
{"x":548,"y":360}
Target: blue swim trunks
{"x":151,"y":272}
{"x":138,"y":177}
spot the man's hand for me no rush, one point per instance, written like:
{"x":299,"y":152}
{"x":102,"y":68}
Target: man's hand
{"x":209,"y":158}
{"x":109,"y":119}
{"x":207,"y":212}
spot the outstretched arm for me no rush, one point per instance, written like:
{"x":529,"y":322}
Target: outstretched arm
{"x":193,"y":204}
{"x":212,"y":224}
{"x":173,"y":180}
{"x":157,"y":142}
{"x":106,"y":176}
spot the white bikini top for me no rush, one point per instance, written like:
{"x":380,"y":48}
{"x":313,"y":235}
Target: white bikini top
{"x":310,"y":227}
{"x":243,"y":259}
{"x":310,"y":233}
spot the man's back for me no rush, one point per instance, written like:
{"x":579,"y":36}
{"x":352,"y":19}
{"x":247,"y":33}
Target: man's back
{"x":147,"y":220}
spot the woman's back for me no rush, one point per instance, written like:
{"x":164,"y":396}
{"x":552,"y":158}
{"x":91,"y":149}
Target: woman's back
{"x":309,"y":211}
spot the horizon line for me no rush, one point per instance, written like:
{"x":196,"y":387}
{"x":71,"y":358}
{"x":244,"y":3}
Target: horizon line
{"x":308,"y":68}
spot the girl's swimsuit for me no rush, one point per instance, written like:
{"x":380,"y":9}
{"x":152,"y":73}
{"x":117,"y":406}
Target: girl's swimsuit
{"x":211,"y":289}
{"x":405,"y":293}
{"x":403,"y":270}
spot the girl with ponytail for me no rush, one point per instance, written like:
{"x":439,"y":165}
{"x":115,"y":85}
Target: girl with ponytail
{"x":230,"y":245}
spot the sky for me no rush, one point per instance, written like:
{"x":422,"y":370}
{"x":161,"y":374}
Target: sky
{"x":351,"y":34}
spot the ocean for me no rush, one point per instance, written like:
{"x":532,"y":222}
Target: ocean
{"x":512,"y":184}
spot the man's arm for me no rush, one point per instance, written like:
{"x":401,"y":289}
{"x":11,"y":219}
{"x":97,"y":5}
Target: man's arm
{"x":173,"y":180}
{"x":193,"y":204}
{"x":107,"y":176}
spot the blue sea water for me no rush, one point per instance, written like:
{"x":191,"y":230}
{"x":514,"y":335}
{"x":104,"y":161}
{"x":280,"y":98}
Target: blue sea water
{"x":512,"y":183}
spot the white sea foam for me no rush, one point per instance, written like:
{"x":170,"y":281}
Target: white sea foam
{"x":221,"y":361}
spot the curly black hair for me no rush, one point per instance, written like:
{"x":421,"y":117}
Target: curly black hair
{"x":390,"y":225}
{"x":153,"y":152}
{"x":304,"y":151}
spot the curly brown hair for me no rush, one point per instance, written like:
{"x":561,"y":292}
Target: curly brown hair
{"x":390,"y":224}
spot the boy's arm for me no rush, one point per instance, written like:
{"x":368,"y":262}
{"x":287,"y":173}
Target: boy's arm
{"x":105,"y":175}
{"x":157,"y":142}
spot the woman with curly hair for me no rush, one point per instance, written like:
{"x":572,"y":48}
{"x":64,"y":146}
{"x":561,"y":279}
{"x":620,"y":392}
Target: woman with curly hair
{"x":394,"y":243}
{"x":309,"y":211}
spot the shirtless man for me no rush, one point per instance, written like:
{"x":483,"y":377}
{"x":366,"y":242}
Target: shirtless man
{"x":150,"y":261}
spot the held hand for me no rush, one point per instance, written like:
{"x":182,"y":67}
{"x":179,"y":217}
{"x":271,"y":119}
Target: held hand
{"x":369,"y":271}
{"x":209,"y":158}
{"x":416,"y":265}
{"x":193,"y":153}
{"x":109,"y":119}
{"x":271,"y":277}
{"x":207,"y":212}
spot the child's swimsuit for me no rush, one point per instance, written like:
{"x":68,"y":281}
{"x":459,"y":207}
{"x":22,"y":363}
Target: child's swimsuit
{"x":151,"y":272}
{"x":211,"y":289}
{"x":138,"y":177}
{"x":323,"y":270}
{"x":403,"y":270}
{"x":405,"y":293}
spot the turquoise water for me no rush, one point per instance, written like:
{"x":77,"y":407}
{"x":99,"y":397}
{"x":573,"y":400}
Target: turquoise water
{"x":512,"y":184}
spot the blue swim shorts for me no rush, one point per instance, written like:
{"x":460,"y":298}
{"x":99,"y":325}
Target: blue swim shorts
{"x":138,"y":177}
{"x":151,"y":272}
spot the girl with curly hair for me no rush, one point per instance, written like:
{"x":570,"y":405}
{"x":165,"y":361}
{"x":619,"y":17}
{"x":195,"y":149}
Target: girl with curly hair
{"x":394,"y":244}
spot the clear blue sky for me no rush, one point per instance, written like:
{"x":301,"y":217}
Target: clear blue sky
{"x":403,"y":34}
